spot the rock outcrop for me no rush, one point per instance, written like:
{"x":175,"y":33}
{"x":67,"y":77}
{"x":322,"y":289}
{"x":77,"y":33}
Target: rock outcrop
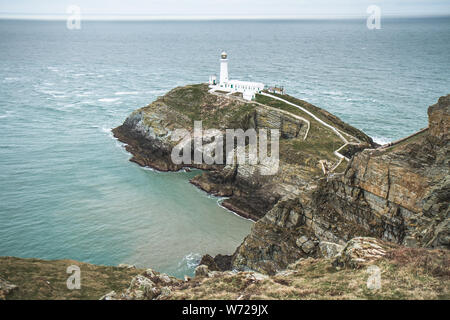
{"x":6,"y":288}
{"x":366,"y":268}
{"x":399,"y":193}
{"x":361,"y":251}
{"x":150,"y":285}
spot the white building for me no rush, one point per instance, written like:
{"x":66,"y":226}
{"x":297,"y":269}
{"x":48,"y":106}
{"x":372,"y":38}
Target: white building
{"x":248,"y":89}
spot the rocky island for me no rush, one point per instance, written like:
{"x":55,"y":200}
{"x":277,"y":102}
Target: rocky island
{"x":338,"y":205}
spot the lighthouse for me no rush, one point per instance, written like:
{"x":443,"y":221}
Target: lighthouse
{"x":246,"y":89}
{"x":223,"y":68}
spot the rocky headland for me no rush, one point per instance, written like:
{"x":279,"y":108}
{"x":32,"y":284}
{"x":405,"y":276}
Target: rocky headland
{"x":397,"y":193}
{"x":338,"y":204}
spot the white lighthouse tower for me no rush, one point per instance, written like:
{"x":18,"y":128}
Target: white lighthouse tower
{"x":246,"y":88}
{"x":223,"y":68}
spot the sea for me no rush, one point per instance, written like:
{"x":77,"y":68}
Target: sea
{"x":67,"y":189}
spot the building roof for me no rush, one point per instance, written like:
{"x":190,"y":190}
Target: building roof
{"x":246,"y":83}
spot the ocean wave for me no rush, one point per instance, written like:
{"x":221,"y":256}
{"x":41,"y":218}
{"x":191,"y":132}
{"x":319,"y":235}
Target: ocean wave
{"x":84,"y":94}
{"x":109,"y":99}
{"x":219,"y":203}
{"x":190,"y":261}
{"x":54,"y":93}
{"x":6,"y":115}
{"x":102,"y":129}
{"x":107,"y":130}
{"x":118,"y":143}
{"x":333,"y":93}
{"x":54,"y":69}
{"x":147,"y":168}
{"x":11,"y":79}
{"x":381,"y":140}
{"x":123,"y":93}
{"x":110,"y":134}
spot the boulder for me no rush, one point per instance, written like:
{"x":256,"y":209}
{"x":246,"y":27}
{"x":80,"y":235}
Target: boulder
{"x":256,"y":276}
{"x":141,"y":287}
{"x":361,"y":251}
{"x":202,"y":271}
{"x":165,"y":292}
{"x":305,"y":244}
{"x":6,"y":288}
{"x":126,"y":266}
{"x":330,"y":249}
{"x":110,"y":296}
{"x":439,"y":118}
{"x":208,"y":261}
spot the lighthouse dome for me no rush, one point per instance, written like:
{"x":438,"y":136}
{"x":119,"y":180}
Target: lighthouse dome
{"x":224,"y":55}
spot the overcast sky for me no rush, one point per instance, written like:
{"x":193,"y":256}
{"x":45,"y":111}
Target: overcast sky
{"x":141,"y":9}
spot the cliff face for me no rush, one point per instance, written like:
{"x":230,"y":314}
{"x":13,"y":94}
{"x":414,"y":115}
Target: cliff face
{"x":399,"y":193}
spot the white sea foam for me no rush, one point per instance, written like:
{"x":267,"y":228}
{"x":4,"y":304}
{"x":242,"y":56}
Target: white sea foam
{"x":7,"y":114}
{"x":123,"y":93}
{"x":333,"y":93}
{"x":54,"y":93}
{"x":54,"y":69}
{"x":149,"y":169}
{"x":190,"y":261}
{"x":84,"y":94}
{"x":381,"y":140}
{"x":11,"y":79}
{"x":219,"y":202}
{"x":107,"y":130}
{"x":108,"y":99}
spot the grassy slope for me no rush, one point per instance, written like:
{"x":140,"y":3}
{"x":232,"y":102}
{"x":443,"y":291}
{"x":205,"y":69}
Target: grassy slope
{"x":195,"y":102}
{"x":326,"y":116}
{"x":46,"y":280}
{"x":320,"y":143}
{"x":405,"y":274}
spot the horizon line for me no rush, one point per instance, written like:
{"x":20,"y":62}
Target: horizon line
{"x":143,"y":17}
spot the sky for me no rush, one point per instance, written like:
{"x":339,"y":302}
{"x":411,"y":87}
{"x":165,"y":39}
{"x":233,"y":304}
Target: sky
{"x":218,"y":9}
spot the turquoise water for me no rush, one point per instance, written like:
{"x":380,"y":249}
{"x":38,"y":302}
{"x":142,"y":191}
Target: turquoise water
{"x":67,"y":189}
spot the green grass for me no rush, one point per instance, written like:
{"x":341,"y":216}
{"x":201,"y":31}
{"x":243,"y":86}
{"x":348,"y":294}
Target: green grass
{"x":326,"y":116}
{"x":320,"y":143}
{"x":46,"y":280}
{"x":197,"y":104}
{"x":405,"y":274}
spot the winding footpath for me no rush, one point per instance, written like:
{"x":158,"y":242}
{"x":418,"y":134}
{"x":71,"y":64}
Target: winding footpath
{"x":335,"y":130}
{"x":340,"y":134}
